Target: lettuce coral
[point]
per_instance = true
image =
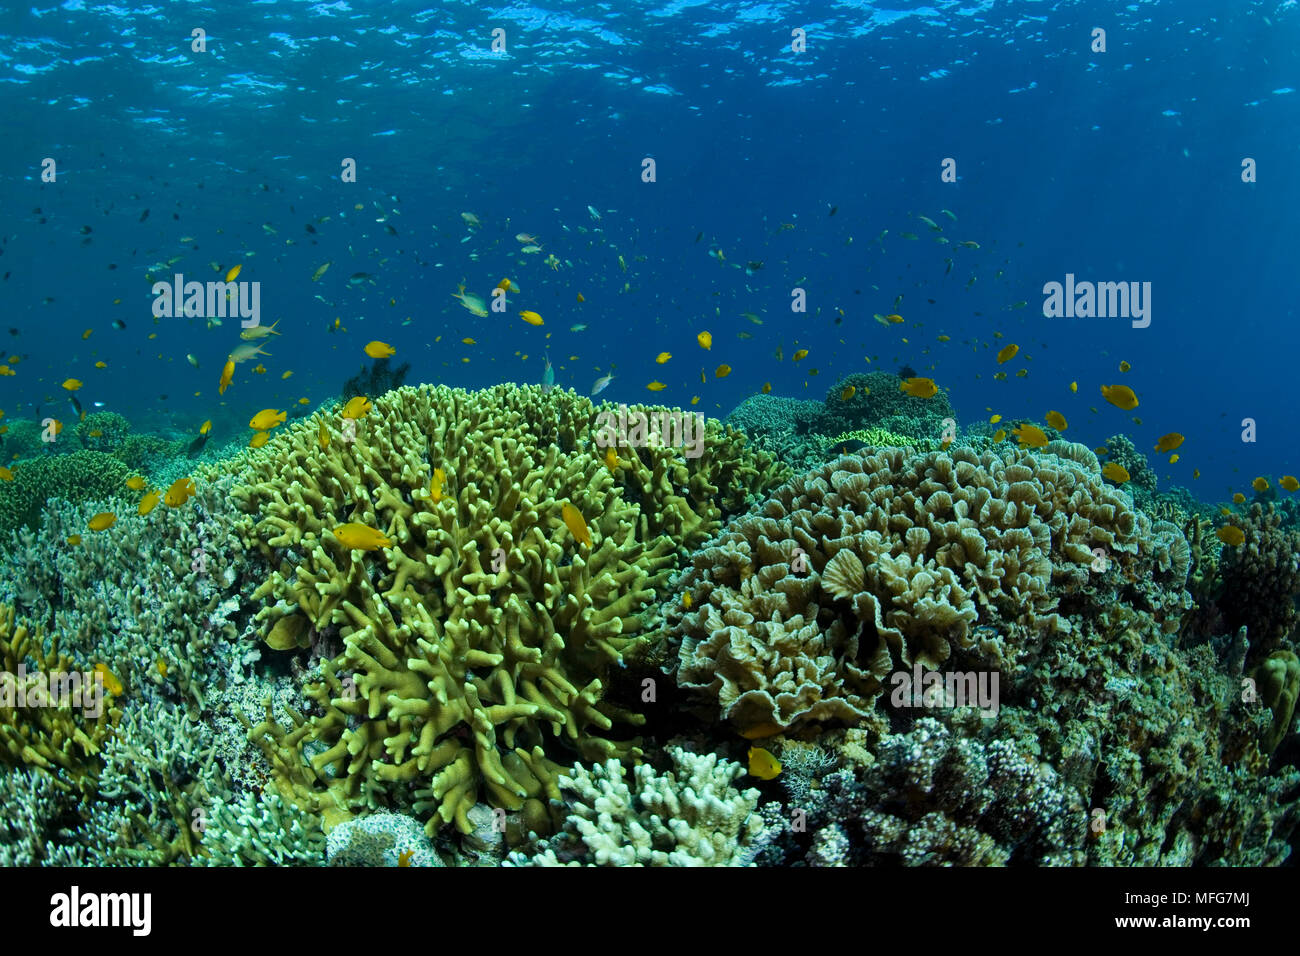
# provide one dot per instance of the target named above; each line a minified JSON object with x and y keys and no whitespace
{"x":482,"y":640}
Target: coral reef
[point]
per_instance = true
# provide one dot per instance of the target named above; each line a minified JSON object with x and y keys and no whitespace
{"x":689,"y":816}
{"x":483,"y":639}
{"x":801,"y":609}
{"x":260,"y":830}
{"x":375,"y":379}
{"x":102,"y":431}
{"x":75,"y":477}
{"x":381,"y":839}
{"x":1260,"y":580}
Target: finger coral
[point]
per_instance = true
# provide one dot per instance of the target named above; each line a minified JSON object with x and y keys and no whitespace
{"x":478,"y":647}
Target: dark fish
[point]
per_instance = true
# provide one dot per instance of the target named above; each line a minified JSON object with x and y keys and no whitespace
{"x":390,"y":230}
{"x":311,"y":228}
{"x":119,"y":324}
{"x":85,"y":230}
{"x":699,"y":236}
{"x":834,"y":210}
{"x":144,"y":215}
{"x":112,"y":265}
{"x":196,"y":446}
{"x":75,"y":404}
{"x":13,"y":332}
{"x":752,"y":266}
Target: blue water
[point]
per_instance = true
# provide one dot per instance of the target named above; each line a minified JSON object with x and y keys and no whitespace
{"x":1115,"y":166}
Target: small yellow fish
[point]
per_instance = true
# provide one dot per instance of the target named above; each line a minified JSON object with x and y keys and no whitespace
{"x":84,"y":335}
{"x":74,"y":539}
{"x":532,"y":318}
{"x":695,"y":400}
{"x":1173,"y":459}
{"x":581,"y":297}
{"x":107,"y":679}
{"x":1196,"y":472}
{"x":1231,"y":534}
{"x":233,"y":272}
{"x":722,"y":371}
{"x":259,"y":369}
{"x":72,"y":384}
{"x":800,"y":355}
{"x":148,"y":503}
{"x":656,"y":386}
{"x":705,"y":339}
{"x":6,"y":474}
{"x":767,"y":387}
{"x":1115,"y":472}
{"x":267,"y":419}
{"x":1124,"y":366}
{"x":1121,"y":396}
{"x":1057,"y":421}
{"x":848,"y":393}
{"x":577,"y":526}
{"x":1260,"y":484}
{"x":894,"y":318}
{"x":1030,"y":436}
{"x":205,"y":427}
{"x":763,"y":765}
{"x":320,"y":271}
{"x":101,"y":364}
{"x":1000,"y":376}
{"x":102,"y":521}
{"x":357,"y":407}
{"x":135,"y":483}
{"x":945,"y":338}
{"x":181,"y":490}
{"x":286,"y":375}
{"x":1021,"y":373}
{"x":1007,"y":354}
{"x":162,"y":667}
{"x":468,"y":341}
{"x":260,"y":439}
{"x":663,"y":357}
{"x":227,"y":374}
{"x":507,"y":285}
{"x":611,"y":459}
{"x":1169,"y":442}
{"x":435,"y":485}
{"x":919,"y":387}
{"x":360,"y":537}
{"x":1074,"y":386}
{"x":378,"y":350}
{"x":686,"y":600}
{"x":1239,"y":499}
{"x":994,"y":419}
{"x":323,"y":437}
{"x":1289,"y":482}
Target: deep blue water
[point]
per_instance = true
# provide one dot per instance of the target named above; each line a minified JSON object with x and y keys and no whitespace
{"x":1115,"y":166}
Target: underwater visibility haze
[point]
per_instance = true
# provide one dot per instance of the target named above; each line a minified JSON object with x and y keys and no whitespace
{"x":649,"y":433}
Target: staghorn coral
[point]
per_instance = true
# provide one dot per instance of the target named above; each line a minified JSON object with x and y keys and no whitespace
{"x":803,"y":607}
{"x":260,"y":830}
{"x":483,"y":639}
{"x":111,"y":427}
{"x":689,"y":816}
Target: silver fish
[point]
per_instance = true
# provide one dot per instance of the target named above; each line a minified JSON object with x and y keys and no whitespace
{"x":600,"y":384}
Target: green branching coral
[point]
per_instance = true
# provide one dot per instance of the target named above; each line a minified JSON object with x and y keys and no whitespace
{"x":480,"y":643}
{"x":879,"y":438}
{"x":102,"y":431}
{"x":74,"y":477}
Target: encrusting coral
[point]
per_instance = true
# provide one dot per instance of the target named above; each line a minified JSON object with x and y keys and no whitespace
{"x":478,"y":644}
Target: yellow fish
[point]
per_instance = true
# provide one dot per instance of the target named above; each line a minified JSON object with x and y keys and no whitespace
{"x":1289,"y":482}
{"x":656,"y":386}
{"x":848,"y":393}
{"x":663,"y":357}
{"x":259,"y":369}
{"x":1074,"y":386}
{"x":1231,"y":534}
{"x":722,"y":371}
{"x":74,"y":539}
{"x":611,"y":459}
{"x":1007,"y":354}
{"x":378,"y":350}
{"x":1057,"y":421}
{"x":101,"y":364}
{"x":227,"y":374}
{"x":109,"y":682}
{"x":1021,"y":373}
{"x":506,"y":285}
{"x":102,"y":521}
{"x":763,"y":765}
{"x":320,"y":271}
{"x":994,"y":419}
{"x":581,"y":297}
{"x":72,"y":384}
{"x":1173,"y":459}
{"x":686,"y":600}
{"x":1196,"y":472}
{"x":1116,"y":472}
{"x":360,"y":537}
{"x":471,"y":302}
{"x":945,"y":338}
{"x":259,"y":332}
{"x":260,"y":439}
{"x":573,"y":520}
{"x":181,"y":490}
{"x":162,"y":667}
{"x":1239,"y":499}
{"x":767,"y":387}
{"x":1124,"y":366}
{"x":205,"y":427}
{"x":324,"y":437}
{"x":6,"y":474}
{"x":135,"y":483}
{"x":435,"y":486}
{"x":147,"y":503}
{"x":468,"y":341}
{"x":1169,"y":442}
{"x":532,"y":318}
{"x":695,"y":399}
{"x":800,"y":355}
{"x":267,"y":419}
{"x":919,"y":387}
{"x":1260,"y":484}
{"x":1030,"y":436}
{"x":304,"y":401}
{"x":86,"y":334}
{"x":1000,"y":376}
{"x":357,"y":407}
{"x":286,"y":374}
{"x":705,"y":340}
{"x":233,"y":272}
{"x":894,"y":318}
{"x":1121,"y":396}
